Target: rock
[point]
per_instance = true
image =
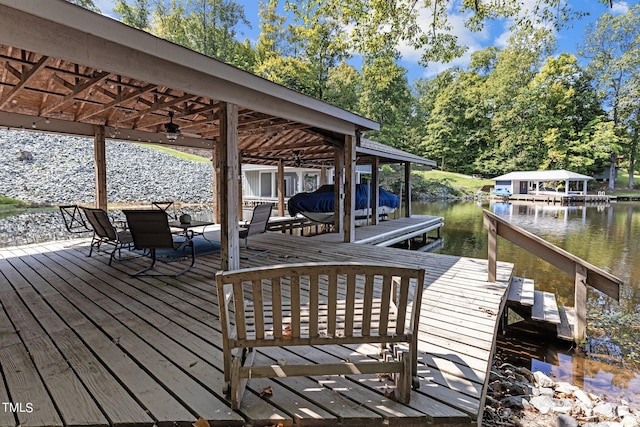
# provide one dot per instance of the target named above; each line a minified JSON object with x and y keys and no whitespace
{"x":607,"y":410}
{"x":629,"y":421}
{"x":622,"y":411}
{"x":543,"y":404}
{"x":543,"y":380}
{"x":565,"y":388}
{"x":546,"y":391}
{"x":512,"y":401}
{"x":566,"y":421}
{"x":582,"y":397}
{"x":527,"y":373}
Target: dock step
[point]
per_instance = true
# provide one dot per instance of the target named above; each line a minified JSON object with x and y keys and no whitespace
{"x":521,"y":291}
{"x":567,"y":322}
{"x":545,"y":308}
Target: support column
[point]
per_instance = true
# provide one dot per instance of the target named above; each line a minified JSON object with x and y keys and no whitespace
{"x":240,"y":199}
{"x":323,"y":175}
{"x":227,"y":160}
{"x":215,"y":183}
{"x":407,"y":189}
{"x":100,"y":167}
{"x":280,"y":187}
{"x":580,"y":304}
{"x":349,"y":188}
{"x":375,"y":189}
{"x":338,"y":190}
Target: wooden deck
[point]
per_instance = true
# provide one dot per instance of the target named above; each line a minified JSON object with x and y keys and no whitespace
{"x":84,"y":344}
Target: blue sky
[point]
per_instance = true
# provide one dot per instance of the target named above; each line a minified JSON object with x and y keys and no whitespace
{"x":494,"y":34}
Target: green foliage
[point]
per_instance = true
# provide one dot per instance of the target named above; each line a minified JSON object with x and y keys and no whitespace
{"x":8,"y":204}
{"x":87,"y":4}
{"x":136,"y":15}
{"x":613,"y":48}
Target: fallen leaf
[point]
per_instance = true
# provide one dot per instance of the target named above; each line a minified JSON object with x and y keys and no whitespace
{"x":201,"y":422}
{"x":391,"y":395}
{"x":266,"y":391}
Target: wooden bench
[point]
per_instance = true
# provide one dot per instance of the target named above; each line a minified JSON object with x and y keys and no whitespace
{"x":333,"y":303}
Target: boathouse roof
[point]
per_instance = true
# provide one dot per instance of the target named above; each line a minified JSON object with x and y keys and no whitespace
{"x":550,"y":175}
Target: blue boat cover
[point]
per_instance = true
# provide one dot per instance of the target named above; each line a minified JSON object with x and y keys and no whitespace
{"x":322,"y":199}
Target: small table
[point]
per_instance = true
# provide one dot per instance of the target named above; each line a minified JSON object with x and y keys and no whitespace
{"x":187,"y":228}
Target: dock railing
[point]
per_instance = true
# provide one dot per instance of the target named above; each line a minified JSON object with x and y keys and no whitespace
{"x":584,"y":273}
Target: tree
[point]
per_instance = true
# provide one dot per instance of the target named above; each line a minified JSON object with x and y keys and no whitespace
{"x":385,"y":97}
{"x":565,"y":103}
{"x":613,"y":48}
{"x":87,"y":4}
{"x":206,"y":26}
{"x":136,"y":15}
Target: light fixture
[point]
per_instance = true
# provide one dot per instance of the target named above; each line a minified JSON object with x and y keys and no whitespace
{"x":171,"y":130}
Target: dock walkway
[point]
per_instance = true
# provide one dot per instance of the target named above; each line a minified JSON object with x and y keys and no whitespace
{"x":387,"y":233}
{"x":82,"y":343}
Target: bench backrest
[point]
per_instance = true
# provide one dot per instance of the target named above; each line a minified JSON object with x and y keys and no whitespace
{"x":306,"y":304}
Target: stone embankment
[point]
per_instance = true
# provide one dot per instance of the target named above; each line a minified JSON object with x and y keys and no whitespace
{"x":50,"y":170}
{"x":519,"y":397}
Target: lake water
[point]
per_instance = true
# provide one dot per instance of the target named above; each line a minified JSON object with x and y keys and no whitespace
{"x":607,"y":237}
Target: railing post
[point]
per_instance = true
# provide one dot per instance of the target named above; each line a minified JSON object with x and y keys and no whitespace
{"x":580,"y":304}
{"x":492,"y":256}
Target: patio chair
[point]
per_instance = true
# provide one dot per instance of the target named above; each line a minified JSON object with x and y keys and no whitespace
{"x":150,"y":231}
{"x":165,"y":206}
{"x":257,"y":225}
{"x":104,"y":232}
{"x":73,"y":220}
{"x":316,"y":304}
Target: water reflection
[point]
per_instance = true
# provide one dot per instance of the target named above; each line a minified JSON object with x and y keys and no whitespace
{"x":605,"y":236}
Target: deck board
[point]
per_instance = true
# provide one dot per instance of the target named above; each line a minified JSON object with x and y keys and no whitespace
{"x":158,"y":339}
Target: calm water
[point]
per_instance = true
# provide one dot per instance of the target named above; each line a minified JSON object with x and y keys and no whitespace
{"x":607,"y":237}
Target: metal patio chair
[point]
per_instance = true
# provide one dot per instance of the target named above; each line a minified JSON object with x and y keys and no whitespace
{"x":104,"y":232}
{"x":150,"y":231}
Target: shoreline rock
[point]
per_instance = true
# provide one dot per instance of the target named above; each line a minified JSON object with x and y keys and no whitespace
{"x":519,"y":397}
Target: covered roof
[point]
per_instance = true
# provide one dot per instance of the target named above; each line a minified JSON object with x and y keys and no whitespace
{"x":550,"y":175}
{"x":389,"y":154}
{"x":65,"y":69}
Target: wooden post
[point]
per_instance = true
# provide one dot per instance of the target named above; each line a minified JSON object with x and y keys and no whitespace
{"x":227,"y":159}
{"x":407,"y":189}
{"x":338,"y":192}
{"x":580,"y":304}
{"x":492,"y":256}
{"x":240,"y":200}
{"x":349,"y":188}
{"x":215,"y":183}
{"x":323,"y":175}
{"x":280,"y":187}
{"x":100,"y":167}
{"x":375,"y":189}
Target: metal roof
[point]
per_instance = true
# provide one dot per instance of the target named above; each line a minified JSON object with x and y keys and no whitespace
{"x":390,"y":154}
{"x":550,"y":175}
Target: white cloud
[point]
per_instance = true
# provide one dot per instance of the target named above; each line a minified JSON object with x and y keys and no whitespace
{"x":620,"y":8}
{"x":474,"y":41}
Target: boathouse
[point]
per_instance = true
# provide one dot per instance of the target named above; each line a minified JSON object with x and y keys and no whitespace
{"x":550,"y":182}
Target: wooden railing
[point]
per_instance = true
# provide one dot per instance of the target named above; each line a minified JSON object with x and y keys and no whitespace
{"x":584,"y":273}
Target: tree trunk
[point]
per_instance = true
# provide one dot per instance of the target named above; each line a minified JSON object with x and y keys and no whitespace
{"x":632,"y":161}
{"x":612,"y":172}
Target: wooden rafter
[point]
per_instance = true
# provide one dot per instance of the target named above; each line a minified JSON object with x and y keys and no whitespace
{"x":25,"y":78}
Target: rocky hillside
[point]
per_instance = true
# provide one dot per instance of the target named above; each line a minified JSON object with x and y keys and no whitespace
{"x":53,"y":169}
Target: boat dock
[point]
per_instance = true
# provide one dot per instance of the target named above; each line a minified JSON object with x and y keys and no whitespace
{"x":387,"y":233}
{"x":82,"y":343}
{"x":561,"y":199}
